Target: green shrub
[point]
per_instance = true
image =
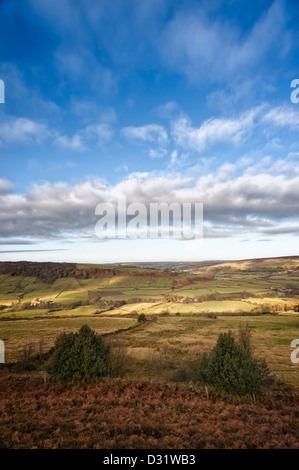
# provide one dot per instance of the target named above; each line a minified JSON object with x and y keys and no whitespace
{"x":79,"y":356}
{"x":141,"y":318}
{"x":229,"y":367}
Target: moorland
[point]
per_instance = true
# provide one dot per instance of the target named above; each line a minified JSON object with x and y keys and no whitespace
{"x":186,"y":306}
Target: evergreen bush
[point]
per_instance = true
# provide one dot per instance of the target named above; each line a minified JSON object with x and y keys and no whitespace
{"x":79,"y":356}
{"x":230,"y":368}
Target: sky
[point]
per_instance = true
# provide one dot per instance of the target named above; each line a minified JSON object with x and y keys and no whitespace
{"x":158,"y":101}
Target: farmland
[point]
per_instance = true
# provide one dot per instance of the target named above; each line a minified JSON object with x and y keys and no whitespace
{"x":191,"y":305}
{"x":186,"y":306}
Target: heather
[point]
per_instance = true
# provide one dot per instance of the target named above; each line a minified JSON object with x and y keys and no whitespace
{"x":115,"y":414}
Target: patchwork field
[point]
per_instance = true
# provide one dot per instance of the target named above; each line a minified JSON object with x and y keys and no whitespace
{"x":191,"y":305}
{"x":186,"y":307}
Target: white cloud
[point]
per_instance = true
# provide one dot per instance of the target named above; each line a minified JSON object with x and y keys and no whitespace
{"x":157,"y":153}
{"x":213,"y":130}
{"x":99,"y":133}
{"x":94,"y":134}
{"x":174,"y":157}
{"x":283,"y":116}
{"x":5,"y":186}
{"x":168,"y":109}
{"x":22,"y":130}
{"x":71,"y":143}
{"x":146,"y":133}
{"x":178,"y":160}
{"x":255,"y":201}
{"x":202,"y":45}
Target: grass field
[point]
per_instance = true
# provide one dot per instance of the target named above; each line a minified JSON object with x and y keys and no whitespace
{"x":189,"y":307}
{"x":22,"y":333}
{"x":203,"y":307}
{"x":179,"y":338}
{"x":181,"y":331}
{"x":173,"y":339}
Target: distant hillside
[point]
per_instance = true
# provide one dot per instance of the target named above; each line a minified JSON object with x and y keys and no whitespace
{"x":175,"y":265}
{"x":49,"y":272}
{"x":279,"y":264}
{"x":258,"y":264}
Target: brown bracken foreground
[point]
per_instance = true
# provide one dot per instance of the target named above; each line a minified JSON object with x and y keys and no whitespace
{"x":133,"y":415}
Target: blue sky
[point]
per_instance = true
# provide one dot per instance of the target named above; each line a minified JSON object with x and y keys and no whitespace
{"x":158,"y":101}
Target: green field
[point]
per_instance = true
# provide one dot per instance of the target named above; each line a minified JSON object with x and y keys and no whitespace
{"x":174,"y":339}
{"x":22,"y":333}
{"x":190,"y":306}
